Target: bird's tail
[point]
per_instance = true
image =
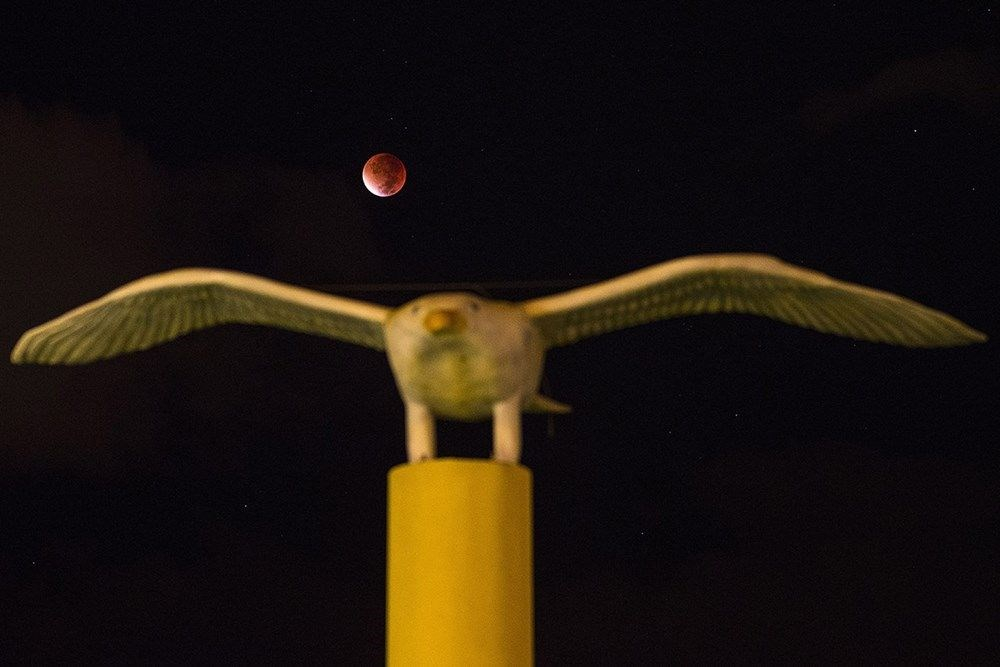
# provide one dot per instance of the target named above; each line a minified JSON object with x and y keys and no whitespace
{"x":543,"y":404}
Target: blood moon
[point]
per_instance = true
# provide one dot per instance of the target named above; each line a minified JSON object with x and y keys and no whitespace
{"x":384,"y":174}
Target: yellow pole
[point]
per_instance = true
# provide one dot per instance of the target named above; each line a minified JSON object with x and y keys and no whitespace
{"x":459,"y":584}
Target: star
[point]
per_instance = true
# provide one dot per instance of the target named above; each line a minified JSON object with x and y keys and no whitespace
{"x":459,"y":356}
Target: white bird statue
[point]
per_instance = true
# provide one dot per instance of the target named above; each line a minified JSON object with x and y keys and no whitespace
{"x":460,"y":356}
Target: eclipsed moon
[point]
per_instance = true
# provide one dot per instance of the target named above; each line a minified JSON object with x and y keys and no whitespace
{"x":384,"y":174}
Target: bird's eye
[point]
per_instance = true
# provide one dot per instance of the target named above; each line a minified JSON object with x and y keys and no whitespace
{"x":473,"y":306}
{"x":415,"y":309}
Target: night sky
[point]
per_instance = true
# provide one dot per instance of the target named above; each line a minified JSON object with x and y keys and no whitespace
{"x":727,"y":487}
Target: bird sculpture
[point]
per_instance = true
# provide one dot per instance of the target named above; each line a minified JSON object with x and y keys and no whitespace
{"x":463,"y":357}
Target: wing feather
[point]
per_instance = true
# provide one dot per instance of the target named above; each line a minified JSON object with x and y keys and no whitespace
{"x":744,"y":283}
{"x":164,"y":306}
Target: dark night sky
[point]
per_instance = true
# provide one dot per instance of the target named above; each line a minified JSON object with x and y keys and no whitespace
{"x":727,"y":487}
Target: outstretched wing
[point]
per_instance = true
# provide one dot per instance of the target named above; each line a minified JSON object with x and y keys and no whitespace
{"x":744,"y":283}
{"x":163,"y":306}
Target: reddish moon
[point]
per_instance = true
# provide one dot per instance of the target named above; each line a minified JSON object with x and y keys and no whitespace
{"x":384,"y":174}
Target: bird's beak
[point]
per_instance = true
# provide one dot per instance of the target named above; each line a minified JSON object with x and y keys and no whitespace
{"x":444,"y":321}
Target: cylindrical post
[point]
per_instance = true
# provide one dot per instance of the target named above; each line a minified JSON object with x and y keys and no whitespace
{"x":459,"y":584}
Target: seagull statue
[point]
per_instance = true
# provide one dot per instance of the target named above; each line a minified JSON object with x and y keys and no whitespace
{"x":460,"y":356}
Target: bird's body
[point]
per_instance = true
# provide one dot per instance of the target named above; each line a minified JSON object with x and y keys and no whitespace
{"x":480,"y":353}
{"x":460,"y":356}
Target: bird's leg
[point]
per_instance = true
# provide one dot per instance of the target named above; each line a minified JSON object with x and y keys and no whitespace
{"x":507,"y":430}
{"x":420,"y":443}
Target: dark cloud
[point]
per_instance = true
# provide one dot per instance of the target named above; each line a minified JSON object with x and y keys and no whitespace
{"x":84,"y":209}
{"x":817,"y":552}
{"x":275,"y":220}
{"x":969,"y":80}
{"x":76,"y":199}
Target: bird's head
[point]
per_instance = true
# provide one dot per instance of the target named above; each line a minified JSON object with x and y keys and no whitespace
{"x":448,"y":317}
{"x":441,"y":316}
